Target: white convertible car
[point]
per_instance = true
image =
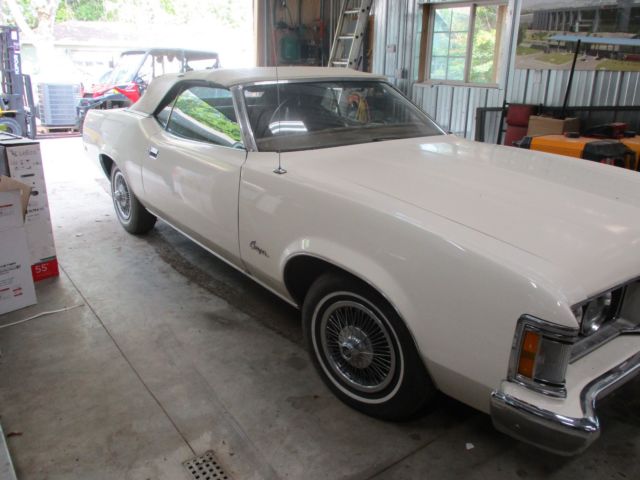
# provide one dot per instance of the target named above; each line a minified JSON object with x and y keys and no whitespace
{"x":505,"y":278}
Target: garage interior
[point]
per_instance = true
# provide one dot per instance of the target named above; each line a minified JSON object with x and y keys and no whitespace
{"x":146,"y":357}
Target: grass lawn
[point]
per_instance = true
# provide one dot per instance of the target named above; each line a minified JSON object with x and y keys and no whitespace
{"x":555,"y":58}
{"x":537,"y":35}
{"x":526,"y":50}
{"x":618,"y":66}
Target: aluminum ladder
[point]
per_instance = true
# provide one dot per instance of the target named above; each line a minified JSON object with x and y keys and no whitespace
{"x":352,"y":24}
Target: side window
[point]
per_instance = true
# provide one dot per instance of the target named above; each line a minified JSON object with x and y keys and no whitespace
{"x":205,"y":114}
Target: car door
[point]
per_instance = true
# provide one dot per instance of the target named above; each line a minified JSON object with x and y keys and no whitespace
{"x":191,"y":174}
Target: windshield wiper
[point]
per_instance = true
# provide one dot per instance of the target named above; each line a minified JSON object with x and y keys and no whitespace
{"x":382,"y":139}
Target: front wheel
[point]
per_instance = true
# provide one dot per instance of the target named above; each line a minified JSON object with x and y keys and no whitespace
{"x":130,"y":212}
{"x":363,"y":350}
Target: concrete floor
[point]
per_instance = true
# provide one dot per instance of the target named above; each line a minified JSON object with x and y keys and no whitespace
{"x":172,"y":353}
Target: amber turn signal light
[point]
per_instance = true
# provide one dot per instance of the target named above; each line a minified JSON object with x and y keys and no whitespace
{"x":528,"y":352}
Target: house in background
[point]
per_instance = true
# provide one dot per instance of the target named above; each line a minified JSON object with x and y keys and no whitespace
{"x":84,"y":51}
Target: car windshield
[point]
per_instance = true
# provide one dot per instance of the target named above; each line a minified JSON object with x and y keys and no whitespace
{"x":126,"y":68}
{"x":309,"y":115}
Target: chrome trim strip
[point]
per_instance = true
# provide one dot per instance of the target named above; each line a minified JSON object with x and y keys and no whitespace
{"x":547,"y":390}
{"x":607,"y":383}
{"x":231,"y":264}
{"x":416,"y":108}
{"x":240,"y":105}
{"x":611,"y":329}
{"x":550,"y":330}
{"x":542,"y":428}
{"x":381,"y":79}
{"x":615,"y":287}
{"x":585,"y":424}
{"x":345,"y":78}
{"x":620,"y":326}
{"x":558,"y":433}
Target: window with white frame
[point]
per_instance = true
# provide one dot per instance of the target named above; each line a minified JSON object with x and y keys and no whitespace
{"x":463,"y":42}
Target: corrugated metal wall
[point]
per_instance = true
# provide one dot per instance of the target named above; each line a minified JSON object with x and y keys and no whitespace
{"x":395,"y":54}
{"x":454,"y":107}
{"x":589,"y":88}
{"x":394,"y":44}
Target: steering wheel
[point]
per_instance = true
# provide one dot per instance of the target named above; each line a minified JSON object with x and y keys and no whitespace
{"x":277,"y":110}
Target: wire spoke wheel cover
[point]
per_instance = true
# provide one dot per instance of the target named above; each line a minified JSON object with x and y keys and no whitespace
{"x":363,"y":349}
{"x":357,"y":347}
{"x":121,"y":196}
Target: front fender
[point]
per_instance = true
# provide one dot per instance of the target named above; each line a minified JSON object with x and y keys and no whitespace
{"x":350,"y":260}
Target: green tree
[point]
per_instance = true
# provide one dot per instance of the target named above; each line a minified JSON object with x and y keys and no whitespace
{"x":484,"y":45}
{"x":39,"y":16}
{"x":87,"y":10}
{"x":35,"y":18}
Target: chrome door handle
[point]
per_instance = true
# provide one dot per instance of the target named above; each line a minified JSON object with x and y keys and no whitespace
{"x":153,"y":152}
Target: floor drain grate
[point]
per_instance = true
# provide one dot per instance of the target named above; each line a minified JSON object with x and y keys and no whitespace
{"x":205,"y":467}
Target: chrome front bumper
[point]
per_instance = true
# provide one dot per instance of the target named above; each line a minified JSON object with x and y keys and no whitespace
{"x":556,"y":433}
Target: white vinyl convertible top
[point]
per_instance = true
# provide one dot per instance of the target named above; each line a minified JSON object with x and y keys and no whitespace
{"x":230,"y":77}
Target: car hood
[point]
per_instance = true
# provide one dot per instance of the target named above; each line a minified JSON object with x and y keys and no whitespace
{"x":581,"y":216}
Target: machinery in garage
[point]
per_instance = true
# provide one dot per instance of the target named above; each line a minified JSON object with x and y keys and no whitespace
{"x":135,"y":69}
{"x":609,"y":151}
{"x":16,"y":101}
{"x":611,"y":143}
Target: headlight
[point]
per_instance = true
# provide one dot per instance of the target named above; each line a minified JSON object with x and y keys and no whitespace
{"x":596,"y":312}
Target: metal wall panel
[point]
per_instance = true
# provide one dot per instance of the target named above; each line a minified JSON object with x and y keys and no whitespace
{"x":590,"y":88}
{"x":393,"y":50}
{"x":394,"y":55}
{"x":453,"y":107}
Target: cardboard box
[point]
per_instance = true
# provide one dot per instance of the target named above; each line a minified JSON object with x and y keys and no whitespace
{"x":16,"y":282}
{"x":539,"y":125}
{"x":20,"y":159}
{"x":8,"y":184}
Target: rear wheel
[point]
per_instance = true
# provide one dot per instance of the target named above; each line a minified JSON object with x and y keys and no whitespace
{"x":130,"y":212}
{"x":363,"y":350}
